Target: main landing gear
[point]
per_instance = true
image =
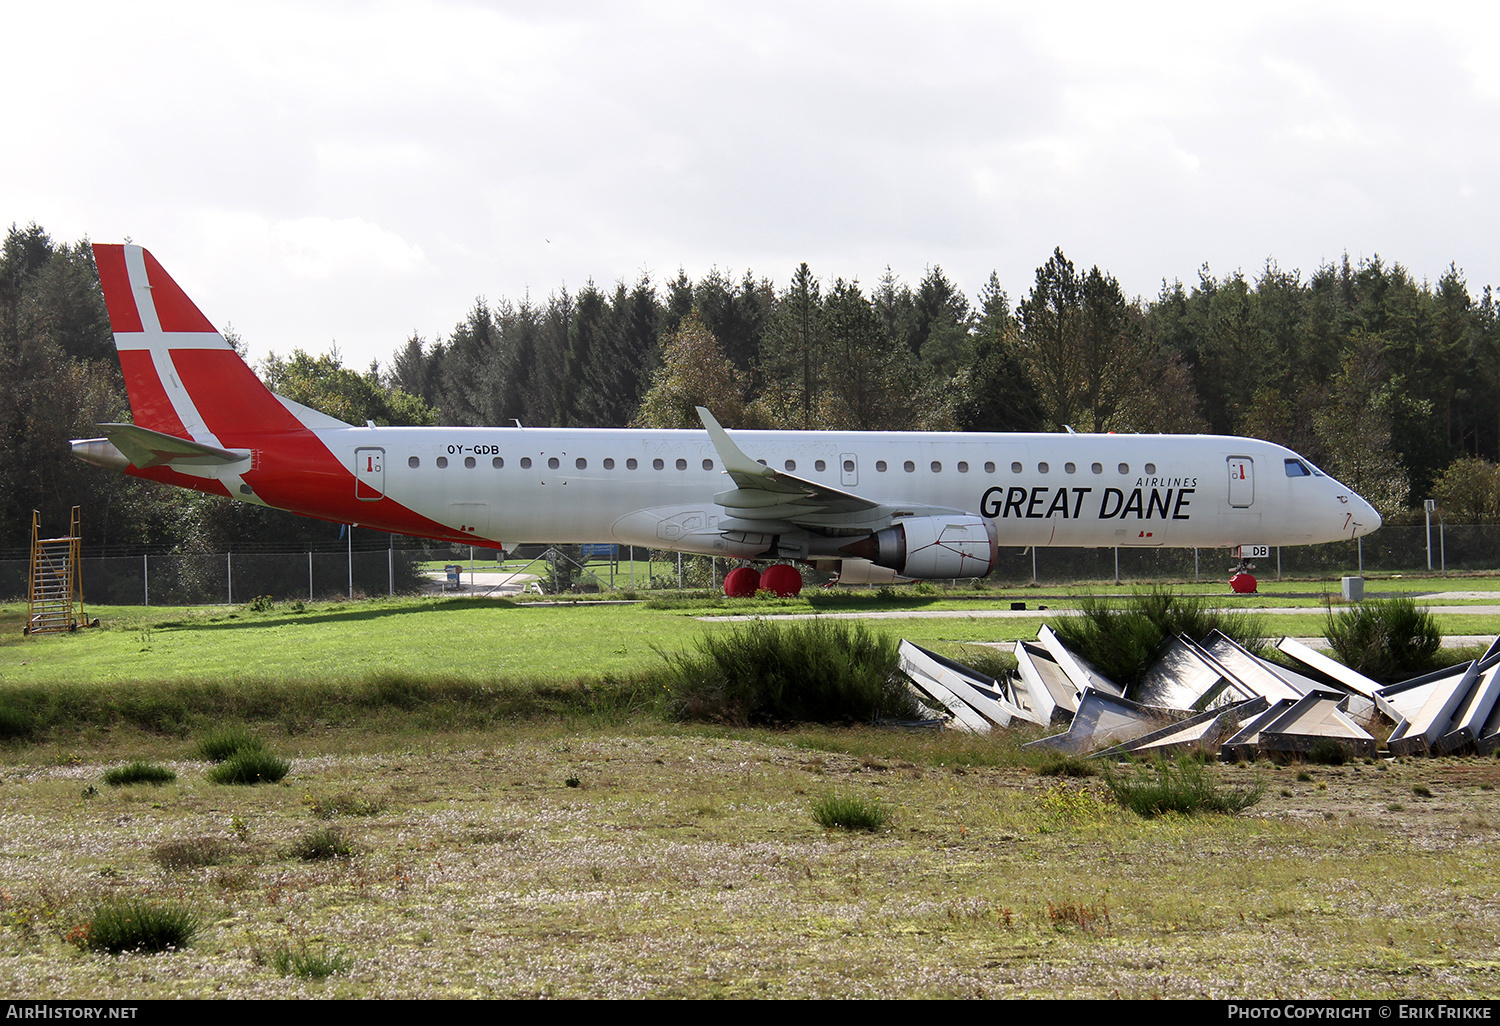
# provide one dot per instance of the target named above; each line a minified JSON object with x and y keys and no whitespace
{"x":745,"y":581}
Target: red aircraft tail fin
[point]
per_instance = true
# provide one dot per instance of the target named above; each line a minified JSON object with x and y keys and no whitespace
{"x":183,"y":377}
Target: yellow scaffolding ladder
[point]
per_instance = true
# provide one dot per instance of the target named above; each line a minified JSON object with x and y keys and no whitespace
{"x":56,"y":592}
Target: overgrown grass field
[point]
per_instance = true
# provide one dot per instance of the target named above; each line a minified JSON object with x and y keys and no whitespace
{"x":508,"y":811}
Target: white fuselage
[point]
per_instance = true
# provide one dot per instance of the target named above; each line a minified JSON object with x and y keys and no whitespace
{"x":657,"y":488}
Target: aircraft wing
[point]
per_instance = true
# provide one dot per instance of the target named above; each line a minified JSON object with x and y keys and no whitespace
{"x":146,"y":448}
{"x":771,"y":497}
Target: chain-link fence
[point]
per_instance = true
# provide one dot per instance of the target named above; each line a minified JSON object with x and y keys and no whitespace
{"x":241,"y":577}
{"x":202,"y":579}
{"x":1390,"y":550}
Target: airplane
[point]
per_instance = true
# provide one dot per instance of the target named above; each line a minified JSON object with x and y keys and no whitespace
{"x":875,"y":506}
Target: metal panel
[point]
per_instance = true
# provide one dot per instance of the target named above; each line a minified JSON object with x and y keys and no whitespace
{"x":1104,"y":720}
{"x":1334,"y":670}
{"x":983,"y":693}
{"x":1473,"y":714}
{"x":1418,"y":732}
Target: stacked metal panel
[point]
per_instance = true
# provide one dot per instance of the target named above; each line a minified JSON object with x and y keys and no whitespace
{"x":1217,"y":696}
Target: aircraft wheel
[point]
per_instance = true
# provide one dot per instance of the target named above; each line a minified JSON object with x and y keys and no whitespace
{"x":741,"y":582}
{"x":783,"y":579}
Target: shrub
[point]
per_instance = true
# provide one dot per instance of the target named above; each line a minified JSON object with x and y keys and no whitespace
{"x":252,"y":766}
{"x":1121,"y":640}
{"x":1062,"y":802}
{"x":322,"y":844}
{"x":1387,"y":639}
{"x":222,"y":742}
{"x":1183,"y":787}
{"x":1056,"y":764}
{"x":139,"y":772}
{"x":346,"y":803}
{"x":16,"y":722}
{"x":825,"y":671}
{"x":309,"y":964}
{"x":850,"y":812}
{"x":1327,"y":751}
{"x":137,"y":926}
{"x":190,"y":853}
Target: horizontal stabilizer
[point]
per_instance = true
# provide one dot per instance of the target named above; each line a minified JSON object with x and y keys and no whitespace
{"x":145,"y":448}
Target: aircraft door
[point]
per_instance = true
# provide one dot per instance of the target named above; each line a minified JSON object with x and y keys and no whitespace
{"x":848,"y":469}
{"x":369,"y":473}
{"x":1241,"y":482}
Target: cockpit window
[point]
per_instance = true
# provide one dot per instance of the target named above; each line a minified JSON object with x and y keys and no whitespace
{"x":1296,"y":468}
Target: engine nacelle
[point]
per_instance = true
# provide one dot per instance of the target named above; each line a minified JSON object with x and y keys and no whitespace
{"x":932,"y":548}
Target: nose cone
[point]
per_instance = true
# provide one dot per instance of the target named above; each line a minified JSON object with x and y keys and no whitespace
{"x":1366,"y":519}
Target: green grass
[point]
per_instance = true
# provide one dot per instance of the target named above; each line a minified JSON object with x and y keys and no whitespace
{"x":310,"y":963}
{"x":139,"y":772}
{"x":822,"y":671}
{"x":850,"y":812}
{"x":1121,"y":637}
{"x":134,"y":925}
{"x":1183,"y":787}
{"x":255,"y":766}
{"x":190,"y":853}
{"x":1390,"y":640}
{"x":322,"y":844}
{"x":220,"y":743}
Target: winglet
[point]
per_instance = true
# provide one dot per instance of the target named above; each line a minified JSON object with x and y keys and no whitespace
{"x":735,"y":461}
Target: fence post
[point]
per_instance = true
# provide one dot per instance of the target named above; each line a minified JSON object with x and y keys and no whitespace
{"x":390,"y":568}
{"x":350,"y":549}
{"x":145,"y":580}
{"x":1117,"y":564}
{"x":309,"y":576}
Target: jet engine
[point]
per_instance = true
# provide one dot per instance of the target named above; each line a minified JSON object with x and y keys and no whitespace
{"x":933,"y":548}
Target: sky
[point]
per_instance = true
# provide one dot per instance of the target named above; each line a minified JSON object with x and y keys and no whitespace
{"x":319,"y":174}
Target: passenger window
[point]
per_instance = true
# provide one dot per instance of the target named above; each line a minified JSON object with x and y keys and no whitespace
{"x":498,"y":462}
{"x":937,"y":468}
{"x":1070,"y":468}
{"x":1151,"y":468}
{"x":581,"y":463}
{"x":631,"y":464}
{"x":468,"y":463}
{"x":1015,"y":468}
{"x":657,"y":465}
{"x":609,"y":463}
{"x":682,"y":464}
{"x":708,"y":464}
{"x":1042,"y":468}
{"x":413,"y":462}
{"x":963,"y":468}
{"x":909,"y":467}
{"x":442,"y":462}
{"x":989,"y":468}
{"x":1097,"y":468}
{"x":1124,"y":468}
{"x":820,"y":466}
{"x":880,"y":466}
{"x":525,"y":462}
{"x":790,"y":464}
{"x":848,"y":466}
{"x":552,"y":463}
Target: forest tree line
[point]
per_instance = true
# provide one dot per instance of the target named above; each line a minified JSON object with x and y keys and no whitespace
{"x":1389,"y":383}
